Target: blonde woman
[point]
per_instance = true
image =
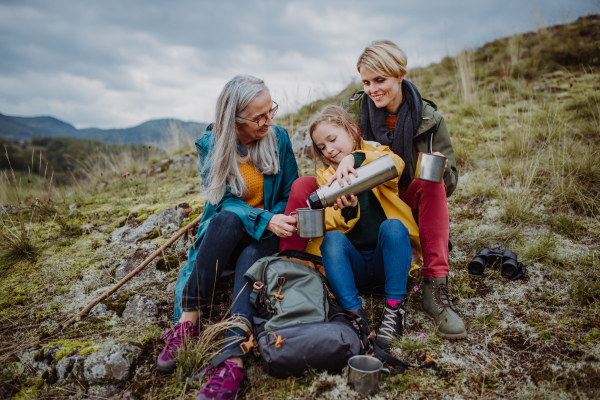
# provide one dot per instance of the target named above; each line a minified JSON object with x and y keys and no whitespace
{"x":390,"y":111}
{"x":247,"y":167}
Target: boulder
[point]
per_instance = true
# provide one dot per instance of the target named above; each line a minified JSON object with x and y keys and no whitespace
{"x":100,"y":310}
{"x":130,"y":264}
{"x":108,"y":369}
{"x":167,"y":221}
{"x":141,"y":310}
{"x":69,"y":371}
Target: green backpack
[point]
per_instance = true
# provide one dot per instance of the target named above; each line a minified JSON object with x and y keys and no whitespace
{"x":289,"y":291}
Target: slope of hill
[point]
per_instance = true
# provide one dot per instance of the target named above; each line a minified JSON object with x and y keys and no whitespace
{"x":150,"y":132}
{"x":528,"y":148}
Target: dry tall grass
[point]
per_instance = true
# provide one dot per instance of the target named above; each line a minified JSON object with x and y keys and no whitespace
{"x":466,"y":72}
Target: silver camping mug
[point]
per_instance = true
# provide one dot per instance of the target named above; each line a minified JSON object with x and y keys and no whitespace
{"x":430,"y":167}
{"x":364,"y":373}
{"x":311,"y":223}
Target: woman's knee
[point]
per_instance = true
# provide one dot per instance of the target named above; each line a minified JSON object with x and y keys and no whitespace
{"x":227,"y":220}
{"x":303,"y":186}
{"x":431,"y":188}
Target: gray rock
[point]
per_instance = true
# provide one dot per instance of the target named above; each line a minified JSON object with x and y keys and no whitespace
{"x":72,"y":207}
{"x":103,"y":392}
{"x":171,"y":286}
{"x":101,"y":310}
{"x":101,"y":186}
{"x":69,"y":370}
{"x":141,"y":310}
{"x":130,"y":264}
{"x":167,"y":221}
{"x":302,"y":144}
{"x":110,"y":367}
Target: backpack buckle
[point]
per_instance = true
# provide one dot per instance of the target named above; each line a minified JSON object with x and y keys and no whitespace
{"x":247,"y":346}
{"x":258,"y":285}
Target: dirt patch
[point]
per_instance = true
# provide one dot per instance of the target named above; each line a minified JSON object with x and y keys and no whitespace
{"x":477,"y":287}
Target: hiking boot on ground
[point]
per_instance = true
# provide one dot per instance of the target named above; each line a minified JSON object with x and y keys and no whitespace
{"x":436,"y":305}
{"x":177,"y":337}
{"x":362,"y":321}
{"x":223,"y":383}
{"x":392,"y":324}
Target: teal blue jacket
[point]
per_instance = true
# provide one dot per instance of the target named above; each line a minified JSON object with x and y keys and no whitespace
{"x":276,"y":192}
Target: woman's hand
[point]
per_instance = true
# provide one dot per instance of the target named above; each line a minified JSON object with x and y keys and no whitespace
{"x":344,"y":169}
{"x":281,"y":225}
{"x":343,"y":202}
{"x":437,"y":153}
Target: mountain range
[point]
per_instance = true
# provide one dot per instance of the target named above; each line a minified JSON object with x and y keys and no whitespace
{"x":150,"y":132}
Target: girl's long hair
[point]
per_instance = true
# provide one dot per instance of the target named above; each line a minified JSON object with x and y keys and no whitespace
{"x":223,"y":162}
{"x":337,"y":116}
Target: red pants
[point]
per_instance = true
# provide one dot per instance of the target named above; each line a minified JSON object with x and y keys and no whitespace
{"x":430,"y":208}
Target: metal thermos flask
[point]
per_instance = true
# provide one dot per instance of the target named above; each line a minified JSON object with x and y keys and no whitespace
{"x":369,"y":176}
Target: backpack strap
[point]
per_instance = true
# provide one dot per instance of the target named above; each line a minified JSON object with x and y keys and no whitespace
{"x":301,"y":256}
{"x":380,"y":353}
{"x":243,"y":348}
{"x":371,"y":346}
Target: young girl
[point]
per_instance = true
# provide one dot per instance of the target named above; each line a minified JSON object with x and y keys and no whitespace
{"x":369,"y":236}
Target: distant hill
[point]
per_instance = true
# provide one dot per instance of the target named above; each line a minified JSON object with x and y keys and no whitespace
{"x":150,"y":132}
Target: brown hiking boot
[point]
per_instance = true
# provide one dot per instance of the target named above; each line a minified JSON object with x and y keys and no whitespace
{"x":436,"y":305}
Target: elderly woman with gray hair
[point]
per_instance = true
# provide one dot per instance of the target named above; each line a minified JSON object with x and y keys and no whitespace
{"x":247,"y":167}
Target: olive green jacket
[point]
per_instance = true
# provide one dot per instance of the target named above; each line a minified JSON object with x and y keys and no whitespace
{"x":433,"y":127}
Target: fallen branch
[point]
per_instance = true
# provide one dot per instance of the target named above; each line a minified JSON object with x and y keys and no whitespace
{"x":134,"y":272}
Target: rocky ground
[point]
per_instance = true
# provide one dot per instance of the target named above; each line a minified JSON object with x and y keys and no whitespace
{"x":528,"y":153}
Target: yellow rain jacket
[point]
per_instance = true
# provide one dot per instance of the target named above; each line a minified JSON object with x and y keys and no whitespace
{"x":386,"y":193}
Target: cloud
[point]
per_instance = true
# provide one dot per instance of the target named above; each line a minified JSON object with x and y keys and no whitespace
{"x":115,"y":63}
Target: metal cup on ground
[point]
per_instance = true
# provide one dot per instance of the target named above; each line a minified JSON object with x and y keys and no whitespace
{"x":364,"y":373}
{"x":311,"y":223}
{"x":430,"y":167}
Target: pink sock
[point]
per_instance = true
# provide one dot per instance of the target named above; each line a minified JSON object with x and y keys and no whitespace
{"x":353,"y":312}
{"x":393,"y":303}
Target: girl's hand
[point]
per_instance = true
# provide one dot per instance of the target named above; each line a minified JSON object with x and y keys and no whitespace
{"x":344,"y":169}
{"x":343,"y":202}
{"x":437,"y":153}
{"x":281,"y":225}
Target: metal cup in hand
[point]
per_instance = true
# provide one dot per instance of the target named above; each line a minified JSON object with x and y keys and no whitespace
{"x":430,"y":167}
{"x":311,"y":223}
{"x":364,"y":373}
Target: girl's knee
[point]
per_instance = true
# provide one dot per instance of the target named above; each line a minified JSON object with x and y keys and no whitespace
{"x":393,"y":227}
{"x":332,"y":239}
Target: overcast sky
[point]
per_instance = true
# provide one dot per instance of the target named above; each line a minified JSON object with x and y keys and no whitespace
{"x":118,"y":63}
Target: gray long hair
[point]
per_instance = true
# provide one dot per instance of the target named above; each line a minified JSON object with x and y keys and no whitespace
{"x":262,"y":155}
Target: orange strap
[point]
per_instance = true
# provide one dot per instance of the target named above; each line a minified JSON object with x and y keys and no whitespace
{"x":428,"y":359}
{"x":277,"y":339}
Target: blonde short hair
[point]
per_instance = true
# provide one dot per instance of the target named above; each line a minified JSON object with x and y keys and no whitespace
{"x":385,"y":57}
{"x":337,"y":116}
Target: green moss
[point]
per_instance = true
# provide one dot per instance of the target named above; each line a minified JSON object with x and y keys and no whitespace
{"x":152,"y":235}
{"x":170,"y":263}
{"x":90,"y":349}
{"x":142,"y":217}
{"x":119,"y":305}
{"x":69,"y":347}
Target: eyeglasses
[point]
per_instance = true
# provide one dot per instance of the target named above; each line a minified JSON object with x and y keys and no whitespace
{"x":263,"y":120}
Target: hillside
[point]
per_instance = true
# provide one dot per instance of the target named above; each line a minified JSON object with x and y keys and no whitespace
{"x":150,"y":132}
{"x":525,"y":125}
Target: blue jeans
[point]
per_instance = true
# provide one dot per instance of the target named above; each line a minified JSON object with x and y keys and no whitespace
{"x":348,"y":269}
{"x":225,"y":242}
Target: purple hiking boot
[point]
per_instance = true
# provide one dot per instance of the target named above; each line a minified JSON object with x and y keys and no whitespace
{"x":223,"y":382}
{"x":177,"y":337}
